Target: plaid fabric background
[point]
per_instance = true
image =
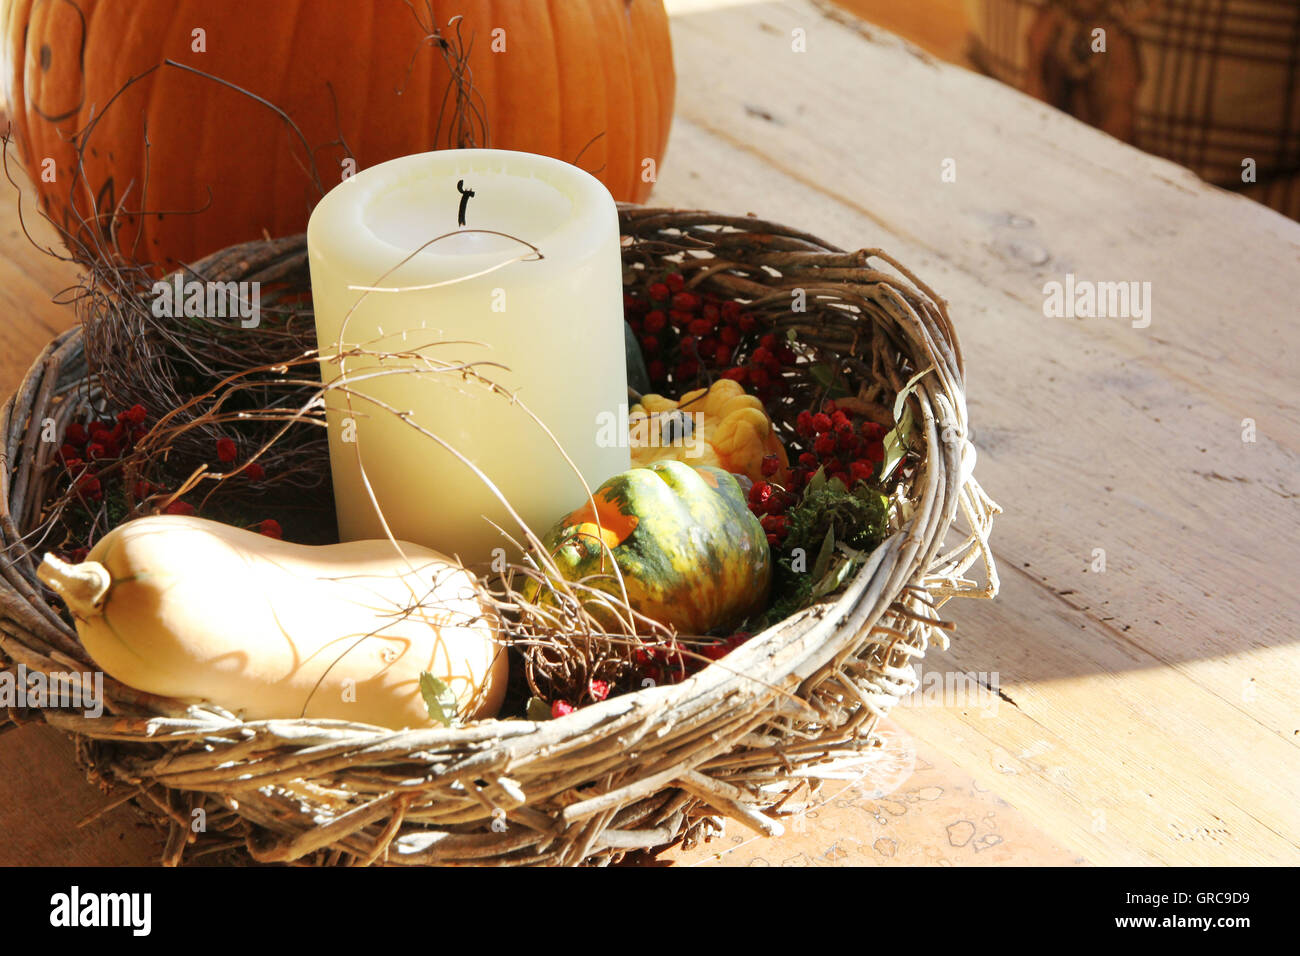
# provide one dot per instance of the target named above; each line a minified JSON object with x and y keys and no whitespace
{"x":1217,"y":81}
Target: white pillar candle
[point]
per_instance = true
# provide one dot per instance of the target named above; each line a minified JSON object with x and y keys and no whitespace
{"x":554,"y":321}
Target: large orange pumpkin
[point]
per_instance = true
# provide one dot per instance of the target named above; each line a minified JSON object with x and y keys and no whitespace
{"x":587,"y":81}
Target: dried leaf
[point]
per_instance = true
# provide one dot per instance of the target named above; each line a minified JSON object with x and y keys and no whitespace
{"x":438,"y":697}
{"x":897,"y":442}
{"x":838,"y":573}
{"x":901,"y":398}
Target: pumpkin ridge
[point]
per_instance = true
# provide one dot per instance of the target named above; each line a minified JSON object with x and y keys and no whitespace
{"x":532,"y":99}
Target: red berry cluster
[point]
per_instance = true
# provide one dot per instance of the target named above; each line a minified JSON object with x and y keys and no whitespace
{"x":716,"y":652}
{"x":597,"y":689}
{"x":663,"y":665}
{"x":685,"y":334}
{"x":847,"y":449}
{"x":227,"y":453}
{"x":87,"y":449}
{"x":669,"y":665}
{"x":770,"y":503}
{"x":267,"y":526}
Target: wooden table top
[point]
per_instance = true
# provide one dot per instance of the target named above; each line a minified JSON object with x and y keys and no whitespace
{"x":1147,"y":711}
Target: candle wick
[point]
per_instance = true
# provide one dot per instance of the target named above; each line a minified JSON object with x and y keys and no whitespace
{"x":465,"y":195}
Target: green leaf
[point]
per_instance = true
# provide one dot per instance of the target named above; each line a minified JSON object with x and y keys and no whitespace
{"x":868,"y":495}
{"x":899,"y":438}
{"x":840,"y":527}
{"x":637,"y":376}
{"x":438,"y":698}
{"x":823,"y":562}
{"x":834,"y":577}
{"x":538,"y":709}
{"x":897,"y":442}
{"x":824,"y":376}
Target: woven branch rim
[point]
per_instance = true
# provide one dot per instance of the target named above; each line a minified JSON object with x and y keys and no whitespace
{"x":665,"y":761}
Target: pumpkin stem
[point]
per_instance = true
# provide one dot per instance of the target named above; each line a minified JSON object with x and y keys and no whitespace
{"x":83,"y":587}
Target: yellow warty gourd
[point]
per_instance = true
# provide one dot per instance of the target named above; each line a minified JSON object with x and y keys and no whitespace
{"x":193,"y":609}
{"x":734,"y":432}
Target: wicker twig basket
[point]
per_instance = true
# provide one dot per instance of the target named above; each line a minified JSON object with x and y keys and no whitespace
{"x":794,"y":705}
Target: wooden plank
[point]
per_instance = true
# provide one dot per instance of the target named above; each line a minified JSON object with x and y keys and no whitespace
{"x":1093,"y":433}
{"x":941,"y":27}
{"x":1037,"y":193}
{"x":1118,"y":757}
{"x":938,"y":816}
{"x":29,"y":280}
{"x":43,"y":796}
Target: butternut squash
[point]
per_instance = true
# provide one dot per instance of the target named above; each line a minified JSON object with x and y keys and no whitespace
{"x":189,"y":608}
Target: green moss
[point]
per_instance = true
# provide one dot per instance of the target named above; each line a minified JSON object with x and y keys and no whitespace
{"x":831,"y":532}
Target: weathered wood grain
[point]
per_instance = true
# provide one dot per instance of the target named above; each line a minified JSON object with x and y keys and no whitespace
{"x":1093,"y":433}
